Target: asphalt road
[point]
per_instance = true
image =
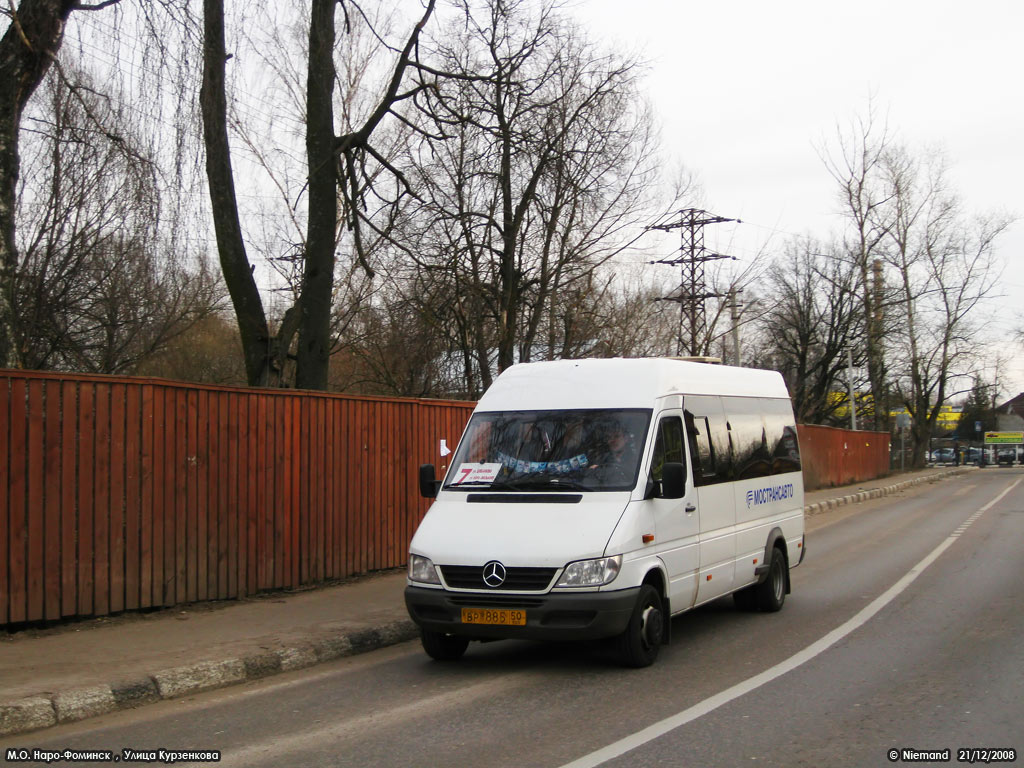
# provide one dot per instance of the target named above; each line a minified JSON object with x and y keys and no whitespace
{"x":902,"y":632}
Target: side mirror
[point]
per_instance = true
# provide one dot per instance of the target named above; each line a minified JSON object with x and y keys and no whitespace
{"x":428,"y":481}
{"x":673,"y":480}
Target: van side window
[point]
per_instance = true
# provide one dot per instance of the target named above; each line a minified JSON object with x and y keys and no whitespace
{"x":750,"y":441}
{"x":702,"y":454}
{"x":764,"y":436}
{"x":668,"y":446}
{"x":782,"y":437}
{"x":711,"y":436}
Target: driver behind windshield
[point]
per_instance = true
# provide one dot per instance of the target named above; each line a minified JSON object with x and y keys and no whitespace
{"x":585,"y":450}
{"x":616,"y":463}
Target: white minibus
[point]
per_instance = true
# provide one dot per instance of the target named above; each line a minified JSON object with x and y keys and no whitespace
{"x":596,"y":499}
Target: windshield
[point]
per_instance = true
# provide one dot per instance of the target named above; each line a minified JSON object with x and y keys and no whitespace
{"x":582,"y":450}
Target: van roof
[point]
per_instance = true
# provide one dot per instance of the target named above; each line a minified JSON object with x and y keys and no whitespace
{"x":621,"y":383}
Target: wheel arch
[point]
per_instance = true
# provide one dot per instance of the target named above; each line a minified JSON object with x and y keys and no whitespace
{"x":657,"y":579}
{"x":776,"y":540}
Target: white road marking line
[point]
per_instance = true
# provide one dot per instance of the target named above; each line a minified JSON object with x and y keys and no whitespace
{"x":712,"y":703}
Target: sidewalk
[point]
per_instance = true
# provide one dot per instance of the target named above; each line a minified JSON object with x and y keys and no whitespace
{"x":85,"y":669}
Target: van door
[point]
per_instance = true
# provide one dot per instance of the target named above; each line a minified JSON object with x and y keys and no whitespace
{"x":676,"y":520}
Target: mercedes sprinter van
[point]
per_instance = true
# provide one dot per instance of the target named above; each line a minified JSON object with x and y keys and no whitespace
{"x":596,"y":499}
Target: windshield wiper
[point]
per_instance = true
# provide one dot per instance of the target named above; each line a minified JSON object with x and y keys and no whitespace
{"x":493,"y":486}
{"x":549,"y":483}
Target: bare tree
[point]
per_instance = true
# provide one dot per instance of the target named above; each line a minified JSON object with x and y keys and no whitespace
{"x":866,"y":201}
{"x":535,"y":169}
{"x":924,"y":266}
{"x":335,"y":173}
{"x":944,"y":266}
{"x":99,"y":286}
{"x":28,"y":48}
{"x":810,"y":324}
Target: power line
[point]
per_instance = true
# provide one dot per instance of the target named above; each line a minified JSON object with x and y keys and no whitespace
{"x":693,"y":292}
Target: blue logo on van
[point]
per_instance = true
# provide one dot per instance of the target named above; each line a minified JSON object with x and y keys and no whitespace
{"x":769,"y":494}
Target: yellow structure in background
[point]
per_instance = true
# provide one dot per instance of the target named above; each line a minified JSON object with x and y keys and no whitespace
{"x":948,"y":418}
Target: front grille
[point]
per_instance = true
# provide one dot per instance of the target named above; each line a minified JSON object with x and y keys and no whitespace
{"x":497,"y":601}
{"x":516,"y":579}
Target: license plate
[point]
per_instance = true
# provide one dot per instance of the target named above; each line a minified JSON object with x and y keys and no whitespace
{"x":494,"y":616}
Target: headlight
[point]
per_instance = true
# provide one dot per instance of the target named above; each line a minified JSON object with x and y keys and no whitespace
{"x":590,"y":573}
{"x":421,"y":569}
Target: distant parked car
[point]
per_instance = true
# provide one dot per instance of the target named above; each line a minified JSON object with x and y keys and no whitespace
{"x":1006,"y":456}
{"x":943,"y":456}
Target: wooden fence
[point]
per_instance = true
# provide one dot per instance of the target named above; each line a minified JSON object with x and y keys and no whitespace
{"x":834,"y":457}
{"x":122,"y":494}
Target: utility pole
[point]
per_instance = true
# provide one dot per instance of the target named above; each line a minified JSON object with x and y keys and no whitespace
{"x":734,"y":317}
{"x":877,"y":373}
{"x":692,"y":290}
{"x":849,"y":380}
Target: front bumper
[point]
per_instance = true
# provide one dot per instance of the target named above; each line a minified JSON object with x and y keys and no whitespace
{"x":553,"y":616}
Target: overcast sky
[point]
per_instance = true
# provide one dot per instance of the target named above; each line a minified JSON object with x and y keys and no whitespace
{"x":748,"y":93}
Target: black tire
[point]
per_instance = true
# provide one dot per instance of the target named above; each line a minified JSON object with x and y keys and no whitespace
{"x":442,"y":647}
{"x":771,"y":593}
{"x":638,"y":646}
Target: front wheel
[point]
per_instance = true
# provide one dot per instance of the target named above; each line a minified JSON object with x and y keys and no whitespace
{"x":442,"y":647}
{"x":640,"y":643}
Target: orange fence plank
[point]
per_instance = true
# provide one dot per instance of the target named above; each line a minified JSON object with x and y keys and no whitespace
{"x":181,"y":508}
{"x":192,"y":498}
{"x":330,"y":485}
{"x":52,"y":538}
{"x":147,"y":503}
{"x":318,"y":455}
{"x":68,"y":499}
{"x":304,"y":505}
{"x":132,"y":489}
{"x":159,"y":495}
{"x":116,"y":529}
{"x":86,"y":495}
{"x":289,"y":493}
{"x":280,"y":497}
{"x":251,"y":452}
{"x":17,"y":520}
{"x":199,"y":456}
{"x":35,"y":564}
{"x":236,"y":535}
{"x":221,"y":496}
{"x":101,"y":509}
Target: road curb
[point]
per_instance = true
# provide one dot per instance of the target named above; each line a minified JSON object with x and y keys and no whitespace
{"x":45,"y":710}
{"x":876,"y":493}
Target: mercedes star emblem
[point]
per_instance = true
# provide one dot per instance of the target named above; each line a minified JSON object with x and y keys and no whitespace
{"x":494,"y":574}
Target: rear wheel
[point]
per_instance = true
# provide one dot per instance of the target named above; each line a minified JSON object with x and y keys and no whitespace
{"x":771,"y":593}
{"x":443,"y":647}
{"x":638,"y":646}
